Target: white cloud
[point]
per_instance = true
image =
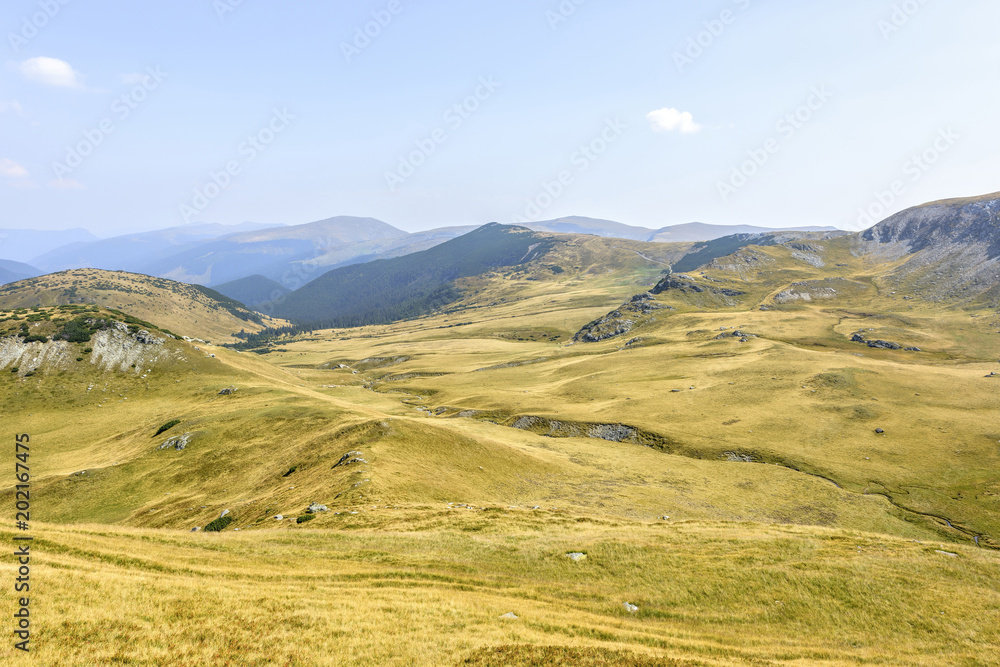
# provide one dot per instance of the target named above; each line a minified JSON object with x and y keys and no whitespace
{"x":14,"y":106}
{"x":133,"y":79}
{"x":669,"y":120}
{"x":51,"y":71}
{"x":11,"y":169}
{"x":66,"y":184}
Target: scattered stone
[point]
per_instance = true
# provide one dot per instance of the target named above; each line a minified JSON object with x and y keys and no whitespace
{"x":946,"y":553}
{"x":316,"y":507}
{"x":228,"y":391}
{"x":196,"y":529}
{"x":630,"y":608}
{"x":224,"y":513}
{"x":675,"y":391}
{"x":510,"y":615}
{"x":880,"y":431}
{"x":349,"y":458}
{"x":576,"y":556}
{"x":913,"y":349}
{"x":883,"y":345}
{"x":992,"y":375}
{"x":178,"y":442}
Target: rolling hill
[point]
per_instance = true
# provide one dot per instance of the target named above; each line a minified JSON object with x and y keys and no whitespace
{"x":270,"y":252}
{"x":133,"y":252}
{"x":408,"y":286}
{"x":951,"y":249}
{"x":24,"y":245}
{"x":683,"y":233}
{"x":253,"y":290}
{"x":13,"y":271}
{"x":187,"y":310}
{"x":735,"y":477}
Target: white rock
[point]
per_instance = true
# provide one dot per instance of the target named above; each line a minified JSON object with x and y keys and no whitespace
{"x":630,"y":608}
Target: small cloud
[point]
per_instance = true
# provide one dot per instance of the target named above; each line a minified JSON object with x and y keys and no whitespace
{"x":51,"y":71}
{"x":14,"y":106}
{"x":66,"y":184}
{"x":11,"y":169}
{"x":669,"y":120}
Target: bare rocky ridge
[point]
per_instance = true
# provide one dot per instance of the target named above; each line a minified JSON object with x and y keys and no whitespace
{"x":956,"y":247}
{"x":621,"y":320}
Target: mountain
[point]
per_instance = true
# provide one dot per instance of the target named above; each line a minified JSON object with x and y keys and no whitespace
{"x":13,"y":271}
{"x":580,"y":225}
{"x":366,"y":251}
{"x":190,"y":310}
{"x":23,"y":245}
{"x":271,"y":252}
{"x":253,"y":290}
{"x":133,"y":252}
{"x":684,"y":233}
{"x":697,"y":231}
{"x":408,"y":286}
{"x":955,"y":248}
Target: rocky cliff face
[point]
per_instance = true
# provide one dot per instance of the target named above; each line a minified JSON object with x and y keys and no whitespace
{"x":620,"y":321}
{"x":113,"y":349}
{"x":953,"y":222}
{"x":956,"y":247}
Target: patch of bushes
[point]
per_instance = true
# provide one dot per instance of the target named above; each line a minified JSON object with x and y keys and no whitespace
{"x":305,"y":517}
{"x":166,"y":427}
{"x":290,"y":471}
{"x":219,"y":524}
{"x":36,"y":339}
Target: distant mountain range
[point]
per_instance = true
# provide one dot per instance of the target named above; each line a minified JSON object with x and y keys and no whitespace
{"x":686,"y":233}
{"x":24,"y":245}
{"x":13,"y":271}
{"x":292,"y":255}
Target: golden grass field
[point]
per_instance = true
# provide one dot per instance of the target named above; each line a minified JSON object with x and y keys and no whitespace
{"x":768,"y":525}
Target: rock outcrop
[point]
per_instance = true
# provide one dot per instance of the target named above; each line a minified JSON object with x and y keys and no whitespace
{"x":620,"y":321}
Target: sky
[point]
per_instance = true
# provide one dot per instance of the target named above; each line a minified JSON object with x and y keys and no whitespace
{"x":130,"y":116}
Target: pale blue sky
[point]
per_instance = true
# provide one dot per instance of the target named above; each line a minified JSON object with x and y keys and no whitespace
{"x":554,"y":86}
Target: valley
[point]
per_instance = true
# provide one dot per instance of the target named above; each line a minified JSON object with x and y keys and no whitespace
{"x":785,"y":454}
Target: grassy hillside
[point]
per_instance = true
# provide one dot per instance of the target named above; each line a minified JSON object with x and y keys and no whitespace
{"x":760,"y":486}
{"x":188,"y":310}
{"x":408,"y":286}
{"x":253,"y":290}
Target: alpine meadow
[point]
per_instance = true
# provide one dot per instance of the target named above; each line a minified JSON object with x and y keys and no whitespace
{"x":498,"y":433}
